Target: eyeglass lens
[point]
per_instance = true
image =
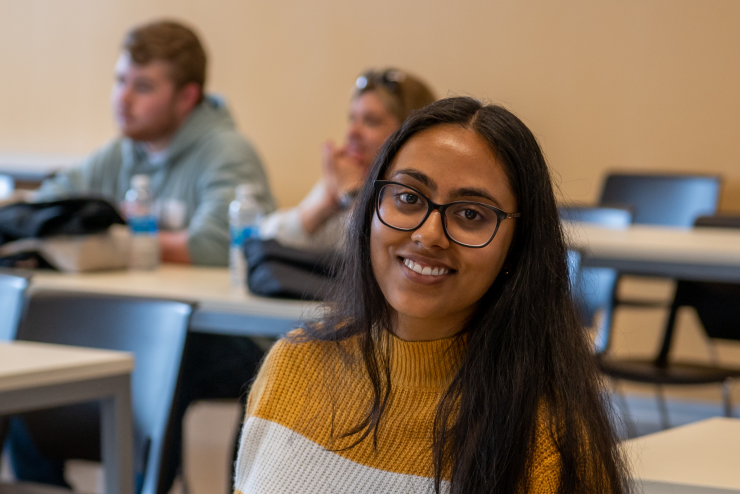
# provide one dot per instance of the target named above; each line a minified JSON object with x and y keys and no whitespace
{"x":468,"y":223}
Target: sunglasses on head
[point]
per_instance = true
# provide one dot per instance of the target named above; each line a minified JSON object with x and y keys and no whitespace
{"x":389,"y":79}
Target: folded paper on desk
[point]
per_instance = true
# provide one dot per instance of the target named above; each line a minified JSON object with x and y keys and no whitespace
{"x":72,"y":235}
{"x":274,"y":270}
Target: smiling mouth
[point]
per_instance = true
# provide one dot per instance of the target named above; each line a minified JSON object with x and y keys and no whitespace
{"x":425,"y":270}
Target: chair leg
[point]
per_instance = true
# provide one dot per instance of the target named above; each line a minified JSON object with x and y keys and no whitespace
{"x":624,"y":409}
{"x":662,"y":407}
{"x":727,"y":395}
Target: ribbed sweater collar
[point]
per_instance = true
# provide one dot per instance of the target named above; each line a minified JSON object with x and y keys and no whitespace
{"x":424,"y":364}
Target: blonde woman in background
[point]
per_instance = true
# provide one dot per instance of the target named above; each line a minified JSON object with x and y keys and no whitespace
{"x":380,"y":103}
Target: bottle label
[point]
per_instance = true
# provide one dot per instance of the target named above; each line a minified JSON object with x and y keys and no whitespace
{"x":240,"y":234}
{"x":143,"y":225}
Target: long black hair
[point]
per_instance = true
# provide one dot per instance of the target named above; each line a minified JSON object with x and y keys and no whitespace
{"x":525,"y":351}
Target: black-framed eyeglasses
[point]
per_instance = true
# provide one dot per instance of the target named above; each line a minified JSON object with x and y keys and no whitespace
{"x":389,"y":79}
{"x":466,"y":223}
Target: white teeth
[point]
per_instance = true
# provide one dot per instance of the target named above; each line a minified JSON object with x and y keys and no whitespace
{"x":427,"y":271}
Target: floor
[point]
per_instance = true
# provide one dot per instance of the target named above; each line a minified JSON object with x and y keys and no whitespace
{"x":210,"y":426}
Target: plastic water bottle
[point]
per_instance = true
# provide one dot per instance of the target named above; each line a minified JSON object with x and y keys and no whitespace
{"x":244,"y":218}
{"x":138,"y":209}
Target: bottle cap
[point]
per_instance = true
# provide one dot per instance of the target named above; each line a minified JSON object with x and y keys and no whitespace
{"x":140,"y":181}
{"x":245,"y":190}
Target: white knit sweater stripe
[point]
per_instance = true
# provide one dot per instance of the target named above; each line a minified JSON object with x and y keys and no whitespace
{"x":273,"y":459}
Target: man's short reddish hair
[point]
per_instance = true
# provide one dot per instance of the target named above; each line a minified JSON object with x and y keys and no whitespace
{"x":170,"y":42}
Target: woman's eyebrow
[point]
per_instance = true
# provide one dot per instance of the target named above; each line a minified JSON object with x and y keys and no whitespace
{"x":473,"y":192}
{"x":419,"y":176}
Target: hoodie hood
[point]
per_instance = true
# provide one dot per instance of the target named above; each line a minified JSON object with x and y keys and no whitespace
{"x":210,"y":117}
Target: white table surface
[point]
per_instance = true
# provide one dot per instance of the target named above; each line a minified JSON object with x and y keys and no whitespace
{"x":26,"y":364}
{"x":704,"y":254}
{"x":35,"y":166}
{"x":710,"y":254}
{"x":221,"y":308}
{"x":37,"y":375}
{"x":703,"y":457}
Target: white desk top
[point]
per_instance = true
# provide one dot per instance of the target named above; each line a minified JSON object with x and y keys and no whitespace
{"x":25,"y":364}
{"x":35,"y":166}
{"x":703,"y":254}
{"x":700,"y":245}
{"x":704,"y":454}
{"x":208,"y":286}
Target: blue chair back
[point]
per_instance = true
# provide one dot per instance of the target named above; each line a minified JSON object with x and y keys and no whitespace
{"x":595,"y":287}
{"x":669,"y":200}
{"x":153,"y":330}
{"x":13,"y":287}
{"x":574,"y":267}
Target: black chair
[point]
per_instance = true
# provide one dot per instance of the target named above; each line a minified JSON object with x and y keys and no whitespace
{"x":13,"y":285}
{"x":595,"y":287}
{"x":718,"y":308}
{"x":669,"y":199}
{"x":662,"y":199}
{"x":153,"y":330}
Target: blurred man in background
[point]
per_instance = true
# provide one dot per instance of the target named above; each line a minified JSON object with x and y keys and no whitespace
{"x":184,"y":140}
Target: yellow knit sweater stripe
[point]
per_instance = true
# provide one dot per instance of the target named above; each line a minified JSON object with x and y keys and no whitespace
{"x":316,"y":392}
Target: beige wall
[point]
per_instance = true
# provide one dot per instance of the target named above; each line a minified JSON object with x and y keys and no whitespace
{"x":635,"y":84}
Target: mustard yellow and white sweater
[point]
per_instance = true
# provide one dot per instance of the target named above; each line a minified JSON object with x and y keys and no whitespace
{"x":290,"y":443}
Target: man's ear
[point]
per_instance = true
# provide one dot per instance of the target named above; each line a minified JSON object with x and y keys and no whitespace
{"x":188,"y":97}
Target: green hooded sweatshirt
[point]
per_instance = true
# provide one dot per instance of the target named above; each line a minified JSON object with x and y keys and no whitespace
{"x":205,"y":161}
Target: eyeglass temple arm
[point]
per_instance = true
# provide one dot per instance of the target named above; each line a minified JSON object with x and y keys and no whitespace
{"x":512,"y":215}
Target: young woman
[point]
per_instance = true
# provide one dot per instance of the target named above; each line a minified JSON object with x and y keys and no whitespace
{"x":381,"y":100}
{"x":451,"y":359}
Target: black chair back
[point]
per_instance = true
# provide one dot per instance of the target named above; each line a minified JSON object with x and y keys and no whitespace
{"x":153,"y":330}
{"x":13,"y":285}
{"x":716,"y":304}
{"x":669,"y":200}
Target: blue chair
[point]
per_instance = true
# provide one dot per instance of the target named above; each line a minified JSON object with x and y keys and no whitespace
{"x":13,"y":285}
{"x":574,"y":267}
{"x":662,"y":199}
{"x":153,"y":330}
{"x":595,"y":287}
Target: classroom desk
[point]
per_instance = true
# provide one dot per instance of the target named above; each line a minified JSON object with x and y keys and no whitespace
{"x":699,"y":458}
{"x":33,"y":168}
{"x":221,"y":309}
{"x":702,"y":254}
{"x":37,"y":375}
{"x":706,"y":254}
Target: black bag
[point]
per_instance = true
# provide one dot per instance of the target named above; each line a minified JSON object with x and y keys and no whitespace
{"x":74,"y":217}
{"x":274,"y":270}
{"x":77,"y":216}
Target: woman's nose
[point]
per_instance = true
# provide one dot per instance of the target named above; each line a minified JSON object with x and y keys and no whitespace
{"x":431,"y":233}
{"x":354,"y":129}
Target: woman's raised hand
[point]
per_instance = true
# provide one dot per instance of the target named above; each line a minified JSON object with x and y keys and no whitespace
{"x":342,"y":173}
